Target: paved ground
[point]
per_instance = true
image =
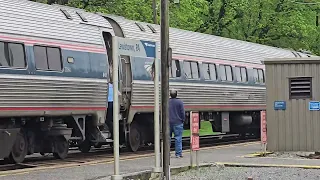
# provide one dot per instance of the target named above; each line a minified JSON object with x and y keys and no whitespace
{"x":232,"y":154}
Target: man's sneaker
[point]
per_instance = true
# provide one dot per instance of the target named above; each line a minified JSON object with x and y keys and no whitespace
{"x":179,"y":156}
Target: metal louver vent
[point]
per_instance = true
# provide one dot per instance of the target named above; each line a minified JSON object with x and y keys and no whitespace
{"x":300,"y":88}
{"x":140,"y":26}
{"x":82,"y":17}
{"x":65,"y":12}
{"x":152,"y":28}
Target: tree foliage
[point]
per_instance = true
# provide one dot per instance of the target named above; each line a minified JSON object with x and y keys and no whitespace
{"x":281,"y":23}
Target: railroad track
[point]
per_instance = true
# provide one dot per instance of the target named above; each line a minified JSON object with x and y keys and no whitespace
{"x":105,"y":155}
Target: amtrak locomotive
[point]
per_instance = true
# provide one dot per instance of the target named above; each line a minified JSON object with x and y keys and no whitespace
{"x":55,"y":66}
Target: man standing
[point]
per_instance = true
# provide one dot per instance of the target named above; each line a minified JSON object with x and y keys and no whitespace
{"x":109,"y":120}
{"x":176,"y":119}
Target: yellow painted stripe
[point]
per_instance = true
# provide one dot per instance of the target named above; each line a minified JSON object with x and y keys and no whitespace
{"x":256,"y":154}
{"x":22,"y":173}
{"x":269,"y":165}
{"x":295,"y":159}
{"x":104,"y":161}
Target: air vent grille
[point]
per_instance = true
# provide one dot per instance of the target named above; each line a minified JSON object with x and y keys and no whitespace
{"x":300,"y":88}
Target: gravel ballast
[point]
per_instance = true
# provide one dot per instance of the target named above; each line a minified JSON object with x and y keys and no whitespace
{"x":242,"y":173}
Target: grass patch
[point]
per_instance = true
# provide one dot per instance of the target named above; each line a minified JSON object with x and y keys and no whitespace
{"x":206,"y":129}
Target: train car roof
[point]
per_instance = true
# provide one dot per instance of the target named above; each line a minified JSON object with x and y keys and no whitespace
{"x":203,"y":45}
{"x":27,"y":18}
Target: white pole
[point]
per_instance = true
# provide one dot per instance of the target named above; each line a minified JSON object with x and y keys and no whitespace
{"x":157,"y":168}
{"x":115,"y":59}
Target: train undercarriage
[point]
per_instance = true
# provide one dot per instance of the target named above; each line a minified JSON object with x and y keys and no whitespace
{"x":141,"y":130}
{"x":26,"y":136}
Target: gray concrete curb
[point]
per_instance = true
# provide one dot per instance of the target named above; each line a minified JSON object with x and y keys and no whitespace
{"x":149,"y":175}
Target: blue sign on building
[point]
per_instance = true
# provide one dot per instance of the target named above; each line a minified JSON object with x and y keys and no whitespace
{"x":314,"y":106}
{"x":280,"y":105}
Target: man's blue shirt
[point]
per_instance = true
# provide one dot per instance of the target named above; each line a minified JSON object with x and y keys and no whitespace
{"x":176,"y":111}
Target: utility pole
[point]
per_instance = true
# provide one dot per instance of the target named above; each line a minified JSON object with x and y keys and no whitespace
{"x":154,"y":7}
{"x":165,"y":87}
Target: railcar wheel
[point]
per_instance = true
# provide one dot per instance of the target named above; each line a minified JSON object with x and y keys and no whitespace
{"x":85,"y":146}
{"x":19,"y":149}
{"x":61,"y":148}
{"x":98,"y":145}
{"x":135,"y":137}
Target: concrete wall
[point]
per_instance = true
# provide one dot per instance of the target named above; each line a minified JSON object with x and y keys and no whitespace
{"x":296,"y":128}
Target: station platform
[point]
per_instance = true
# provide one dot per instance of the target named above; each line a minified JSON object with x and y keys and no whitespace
{"x":242,"y":154}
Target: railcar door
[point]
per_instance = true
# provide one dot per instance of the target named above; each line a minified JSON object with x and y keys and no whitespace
{"x":125,"y":80}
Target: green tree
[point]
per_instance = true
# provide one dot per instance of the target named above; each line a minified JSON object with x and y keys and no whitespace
{"x":279,"y":23}
{"x":186,"y":15}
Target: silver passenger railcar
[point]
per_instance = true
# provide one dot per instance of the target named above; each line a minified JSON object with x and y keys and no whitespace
{"x":53,"y":79}
{"x":221,"y":78}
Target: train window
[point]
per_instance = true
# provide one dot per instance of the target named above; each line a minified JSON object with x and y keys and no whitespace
{"x":187,"y":69}
{"x":237,"y":72}
{"x":209,"y":71}
{"x":40,"y":56}
{"x":244,"y":76}
{"x":172,"y":71}
{"x":16,"y":54}
{"x":54,"y":58}
{"x":261,"y":75}
{"x":229,"y":73}
{"x":4,"y":59}
{"x":258,"y":75}
{"x":241,"y":74}
{"x":47,"y":58}
{"x":255,"y":75}
{"x":195,"y":70}
{"x":213,"y":71}
{"x":175,"y":69}
{"x":12,"y":55}
{"x":206,"y":71}
{"x":223,"y":73}
{"x":226,"y":73}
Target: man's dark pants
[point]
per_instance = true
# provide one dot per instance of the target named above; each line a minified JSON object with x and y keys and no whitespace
{"x":109,"y":120}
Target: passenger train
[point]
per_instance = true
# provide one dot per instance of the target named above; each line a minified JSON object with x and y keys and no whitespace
{"x":55,"y":69}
